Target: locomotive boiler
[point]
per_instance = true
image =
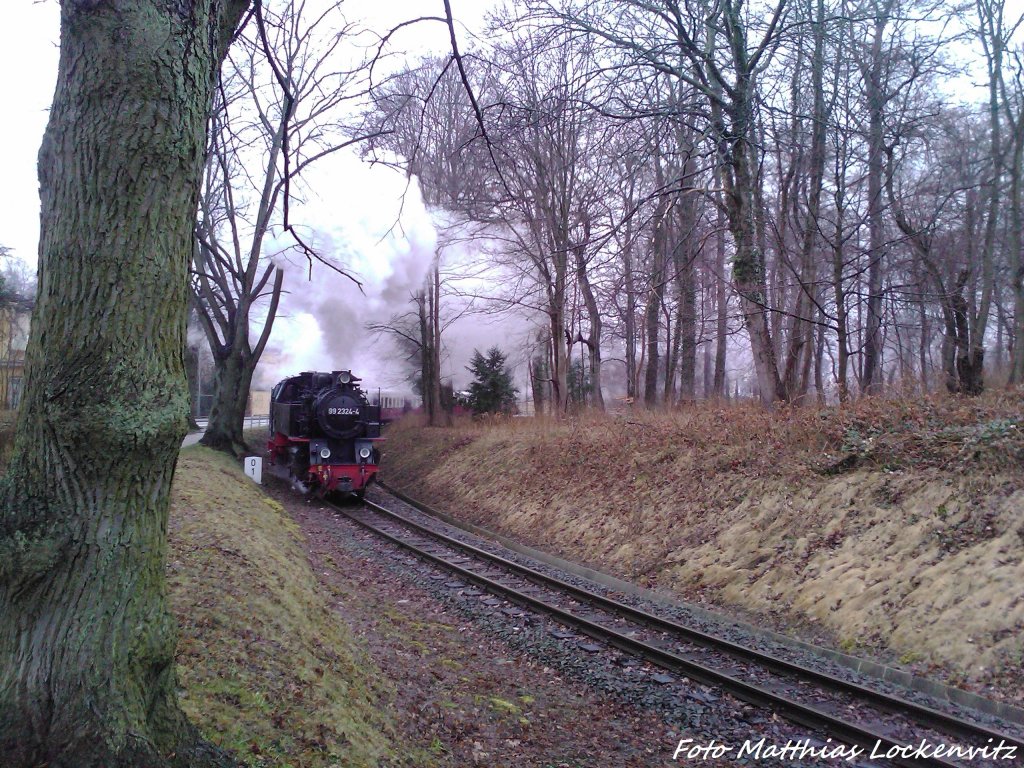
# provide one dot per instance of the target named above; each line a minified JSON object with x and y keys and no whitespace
{"x":325,"y":433}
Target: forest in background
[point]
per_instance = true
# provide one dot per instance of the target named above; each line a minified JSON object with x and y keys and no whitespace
{"x":797,"y":201}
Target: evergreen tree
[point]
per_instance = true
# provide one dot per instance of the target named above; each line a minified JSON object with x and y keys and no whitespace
{"x":491,"y":390}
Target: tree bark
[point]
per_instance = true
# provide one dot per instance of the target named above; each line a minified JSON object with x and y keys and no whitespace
{"x":430,"y":380}
{"x":87,"y":677}
{"x":655,"y":299}
{"x":749,"y":274}
{"x":801,"y":328}
{"x":593,"y":340}
{"x":721,"y":309}
{"x":838,"y":283}
{"x":629,"y":318}
{"x":232,"y":377}
{"x":235,"y":363}
{"x":1016,"y":259}
{"x":924,"y":341}
{"x":871,"y":375}
{"x":738,"y":171}
{"x":225,"y":289}
{"x":685,"y":253}
{"x":992,"y":39}
{"x":956,"y":363}
{"x":192,"y":376}
{"x":539,"y":376}
{"x":438,"y":416}
{"x":560,"y":347}
{"x":686,"y":322}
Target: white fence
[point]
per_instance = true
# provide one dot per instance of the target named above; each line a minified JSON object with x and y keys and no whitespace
{"x":250,"y":422}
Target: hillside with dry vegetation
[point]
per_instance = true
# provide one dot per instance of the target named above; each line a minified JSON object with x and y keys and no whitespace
{"x":887,"y":527}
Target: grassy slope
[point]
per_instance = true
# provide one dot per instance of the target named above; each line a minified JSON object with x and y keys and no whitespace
{"x":897,"y":525}
{"x":266,"y":667}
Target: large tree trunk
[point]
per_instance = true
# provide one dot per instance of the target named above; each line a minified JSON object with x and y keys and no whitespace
{"x":871,"y":375}
{"x":629,"y":319}
{"x":593,"y":340}
{"x":437,"y":415}
{"x":232,"y":378}
{"x":428,"y":313}
{"x":738,"y":171}
{"x":651,"y":372}
{"x":561,"y":342}
{"x":801,"y":328}
{"x":539,"y":378}
{"x":655,"y":299}
{"x":192,"y":376}
{"x":924,"y":340}
{"x":426,"y":357}
{"x":685,"y":253}
{"x":721,"y":310}
{"x":235,"y":364}
{"x":840,"y":293}
{"x":1016,"y":262}
{"x":819,"y":359}
{"x":974,"y":363}
{"x":87,"y":642}
{"x":559,"y":360}
{"x":686,"y":323}
{"x":749,"y":279}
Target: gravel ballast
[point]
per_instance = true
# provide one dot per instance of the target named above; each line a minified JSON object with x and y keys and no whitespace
{"x":484,"y":682}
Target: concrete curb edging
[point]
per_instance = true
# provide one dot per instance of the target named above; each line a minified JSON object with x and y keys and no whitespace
{"x":864,"y":666}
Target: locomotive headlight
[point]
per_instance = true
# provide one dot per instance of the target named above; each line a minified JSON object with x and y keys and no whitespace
{"x":325,"y":452}
{"x":364,"y":452}
{"x":345,"y":377}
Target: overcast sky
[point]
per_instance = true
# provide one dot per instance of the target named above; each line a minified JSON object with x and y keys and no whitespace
{"x":28,"y":59}
{"x":29,"y":41}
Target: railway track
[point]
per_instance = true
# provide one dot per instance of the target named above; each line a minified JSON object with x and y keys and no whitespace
{"x":887,"y":728}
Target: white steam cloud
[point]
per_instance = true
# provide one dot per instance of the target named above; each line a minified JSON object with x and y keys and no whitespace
{"x":372,"y":223}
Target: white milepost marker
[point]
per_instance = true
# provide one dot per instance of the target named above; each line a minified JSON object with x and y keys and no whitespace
{"x":254,"y":468}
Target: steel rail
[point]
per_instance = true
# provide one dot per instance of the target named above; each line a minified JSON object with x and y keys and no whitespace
{"x":850,"y":733}
{"x":923,"y":715}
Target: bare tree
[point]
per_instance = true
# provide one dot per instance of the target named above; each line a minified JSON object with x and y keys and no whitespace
{"x":994,"y":32}
{"x":1013,"y":106}
{"x":804,"y":124}
{"x":705,"y":47}
{"x":286,"y":98}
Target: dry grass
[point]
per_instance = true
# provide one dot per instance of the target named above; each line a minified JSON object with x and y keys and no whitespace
{"x":937,"y":431}
{"x":267,"y":667}
{"x":890,"y":523}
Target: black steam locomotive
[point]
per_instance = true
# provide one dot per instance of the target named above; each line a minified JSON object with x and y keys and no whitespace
{"x":324,"y":431}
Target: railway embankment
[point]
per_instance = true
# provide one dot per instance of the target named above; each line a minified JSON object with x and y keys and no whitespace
{"x":267,"y":666}
{"x":888,"y":529}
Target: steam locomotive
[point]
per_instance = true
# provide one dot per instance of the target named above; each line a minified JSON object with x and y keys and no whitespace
{"x":325,"y":433}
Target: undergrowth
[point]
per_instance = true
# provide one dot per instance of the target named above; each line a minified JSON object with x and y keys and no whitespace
{"x":936,"y":431}
{"x":895,"y":522}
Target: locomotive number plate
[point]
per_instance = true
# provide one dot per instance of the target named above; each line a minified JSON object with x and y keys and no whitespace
{"x":342,"y":411}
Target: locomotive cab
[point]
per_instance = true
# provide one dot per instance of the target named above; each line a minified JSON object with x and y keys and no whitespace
{"x":325,"y":432}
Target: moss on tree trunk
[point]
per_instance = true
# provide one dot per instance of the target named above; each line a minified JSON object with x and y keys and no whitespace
{"x":86,"y":639}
